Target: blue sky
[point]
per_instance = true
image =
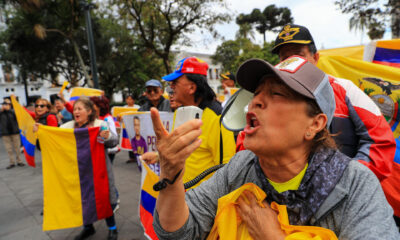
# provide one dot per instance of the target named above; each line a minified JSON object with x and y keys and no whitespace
{"x":329,"y":27}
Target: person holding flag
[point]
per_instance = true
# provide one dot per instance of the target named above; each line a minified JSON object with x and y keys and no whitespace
{"x":85,"y":116}
{"x":42,"y":113}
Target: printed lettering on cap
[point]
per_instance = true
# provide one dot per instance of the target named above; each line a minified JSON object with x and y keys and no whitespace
{"x":291,"y":64}
{"x":189,"y":69}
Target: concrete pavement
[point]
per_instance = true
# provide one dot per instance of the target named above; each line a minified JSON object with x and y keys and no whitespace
{"x":21,"y":201}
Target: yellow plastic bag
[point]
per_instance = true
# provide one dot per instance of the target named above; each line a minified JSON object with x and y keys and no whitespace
{"x":228,"y":225}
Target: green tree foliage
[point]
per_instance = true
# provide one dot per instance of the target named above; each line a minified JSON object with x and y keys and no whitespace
{"x":232,"y":53}
{"x":44,"y":36}
{"x":122,"y":59}
{"x":373,"y":15}
{"x":123,"y":63}
{"x":36,"y":56}
{"x":245,"y":31}
{"x":163,"y":23}
{"x":272,"y":19}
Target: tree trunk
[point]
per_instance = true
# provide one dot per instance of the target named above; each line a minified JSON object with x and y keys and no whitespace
{"x":396,"y":24}
{"x":167,"y":65}
{"x":83,"y":66}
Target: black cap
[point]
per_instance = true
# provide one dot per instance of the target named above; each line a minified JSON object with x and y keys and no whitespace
{"x":292,"y":33}
{"x":227,"y":76}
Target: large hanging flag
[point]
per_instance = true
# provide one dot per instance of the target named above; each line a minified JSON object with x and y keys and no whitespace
{"x":77,"y":92}
{"x":75,"y":180}
{"x":356,"y":52}
{"x":28,"y":137}
{"x":381,"y":83}
{"x":148,"y":199}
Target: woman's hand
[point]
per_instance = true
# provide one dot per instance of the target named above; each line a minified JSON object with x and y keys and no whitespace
{"x":262,"y":222}
{"x":105,"y":134}
{"x":173,"y":148}
{"x":150,"y":157}
{"x":36,"y":127}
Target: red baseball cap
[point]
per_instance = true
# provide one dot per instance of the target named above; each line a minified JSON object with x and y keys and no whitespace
{"x":191,"y":65}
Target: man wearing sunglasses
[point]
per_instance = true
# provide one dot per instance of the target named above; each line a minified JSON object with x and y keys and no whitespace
{"x":154,"y":97}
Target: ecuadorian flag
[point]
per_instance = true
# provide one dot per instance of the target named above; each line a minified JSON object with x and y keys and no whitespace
{"x":75,"y":180}
{"x":124,"y":141}
{"x":381,"y":83}
{"x":25,"y":124}
{"x":77,"y":92}
{"x":148,"y":199}
{"x":387,"y":52}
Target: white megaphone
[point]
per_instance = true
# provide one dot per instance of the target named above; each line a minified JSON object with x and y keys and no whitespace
{"x":234,"y":112}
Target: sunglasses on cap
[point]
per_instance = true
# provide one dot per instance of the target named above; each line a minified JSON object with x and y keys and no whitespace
{"x":40,"y":105}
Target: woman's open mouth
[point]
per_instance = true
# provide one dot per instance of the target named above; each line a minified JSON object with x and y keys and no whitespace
{"x":252,"y":123}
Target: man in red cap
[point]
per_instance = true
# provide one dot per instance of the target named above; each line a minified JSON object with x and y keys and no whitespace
{"x":190,"y":88}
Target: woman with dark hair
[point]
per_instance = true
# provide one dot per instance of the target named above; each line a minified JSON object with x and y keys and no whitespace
{"x":85,"y":116}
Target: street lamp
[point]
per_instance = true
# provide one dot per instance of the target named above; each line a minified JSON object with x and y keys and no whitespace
{"x":92,"y":51}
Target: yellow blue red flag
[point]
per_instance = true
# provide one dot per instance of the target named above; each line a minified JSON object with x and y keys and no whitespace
{"x":25,"y":125}
{"x":75,"y":180}
{"x":387,"y":52}
{"x":117,"y":113}
{"x":381,"y":83}
{"x":77,"y":92}
{"x":148,"y":199}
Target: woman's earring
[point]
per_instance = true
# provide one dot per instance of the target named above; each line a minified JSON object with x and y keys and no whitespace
{"x":308,"y":134}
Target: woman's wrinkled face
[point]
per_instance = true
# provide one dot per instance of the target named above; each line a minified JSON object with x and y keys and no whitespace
{"x":81,"y":114}
{"x":41,"y":108}
{"x":277,"y":119}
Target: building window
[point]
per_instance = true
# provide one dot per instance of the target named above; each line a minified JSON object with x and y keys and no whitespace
{"x":8,"y":73}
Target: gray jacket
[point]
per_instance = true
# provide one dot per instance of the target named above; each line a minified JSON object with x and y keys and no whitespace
{"x":355,"y":209}
{"x":163,"y":105}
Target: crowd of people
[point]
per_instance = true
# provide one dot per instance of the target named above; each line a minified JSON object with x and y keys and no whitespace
{"x":312,"y":142}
